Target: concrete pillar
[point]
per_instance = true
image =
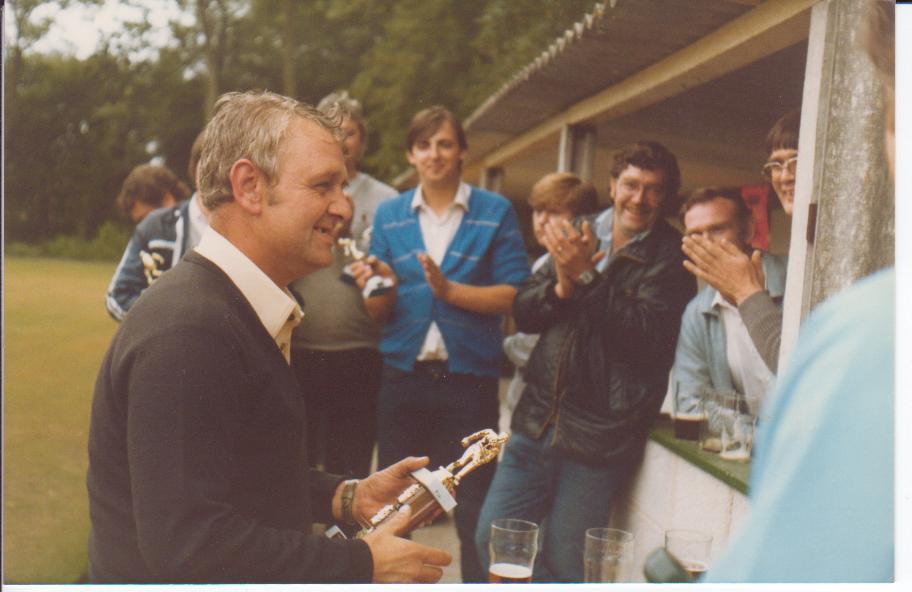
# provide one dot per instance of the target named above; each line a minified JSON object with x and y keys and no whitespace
{"x":492,"y":179}
{"x":576,"y":151}
{"x":843,"y":226}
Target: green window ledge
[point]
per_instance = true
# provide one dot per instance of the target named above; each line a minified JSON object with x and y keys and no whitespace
{"x":736,"y":474}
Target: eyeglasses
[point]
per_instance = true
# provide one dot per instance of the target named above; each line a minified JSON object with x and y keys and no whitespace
{"x":774,"y":168}
{"x":630,"y":187}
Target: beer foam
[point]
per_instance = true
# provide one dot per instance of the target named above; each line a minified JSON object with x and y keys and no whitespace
{"x":511,"y":570}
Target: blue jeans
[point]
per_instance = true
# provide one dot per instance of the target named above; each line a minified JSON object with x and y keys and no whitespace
{"x":535,"y":482}
{"x":427,"y":412}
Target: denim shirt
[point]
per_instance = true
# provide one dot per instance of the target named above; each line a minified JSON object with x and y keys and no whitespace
{"x":602,"y":226}
{"x":700,"y":358}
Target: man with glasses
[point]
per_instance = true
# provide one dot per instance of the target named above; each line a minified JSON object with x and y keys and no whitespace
{"x":822,"y":479}
{"x":608,"y":306}
{"x":739,"y":276}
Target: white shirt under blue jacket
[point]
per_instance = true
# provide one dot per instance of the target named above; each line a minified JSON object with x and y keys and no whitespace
{"x":822,"y":479}
{"x":486,"y":250}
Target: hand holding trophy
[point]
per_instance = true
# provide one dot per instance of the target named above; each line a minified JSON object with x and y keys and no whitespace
{"x":376,"y":284}
{"x":433,"y":493}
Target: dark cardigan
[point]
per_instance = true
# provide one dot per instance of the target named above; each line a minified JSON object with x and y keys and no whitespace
{"x":197,"y":448}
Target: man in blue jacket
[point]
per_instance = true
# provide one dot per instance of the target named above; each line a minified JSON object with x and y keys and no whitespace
{"x":457,"y":256}
{"x":715,"y":348}
{"x":158,"y":243}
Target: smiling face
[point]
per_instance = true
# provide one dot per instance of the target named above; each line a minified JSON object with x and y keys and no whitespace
{"x":438,"y":157}
{"x":783,"y":178}
{"x":306,"y":207}
{"x":638,"y":195}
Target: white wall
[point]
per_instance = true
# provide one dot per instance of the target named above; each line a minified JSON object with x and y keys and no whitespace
{"x":669,"y":492}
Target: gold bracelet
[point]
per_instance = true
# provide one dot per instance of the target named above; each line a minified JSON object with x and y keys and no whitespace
{"x":348,"y":496}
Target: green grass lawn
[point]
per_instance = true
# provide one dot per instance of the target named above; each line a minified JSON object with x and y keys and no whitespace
{"x":56,"y":331}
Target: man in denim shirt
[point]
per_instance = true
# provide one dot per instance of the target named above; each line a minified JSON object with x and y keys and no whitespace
{"x":714,"y":348}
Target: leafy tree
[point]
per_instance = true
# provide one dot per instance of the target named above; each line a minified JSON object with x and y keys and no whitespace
{"x":85,"y":123}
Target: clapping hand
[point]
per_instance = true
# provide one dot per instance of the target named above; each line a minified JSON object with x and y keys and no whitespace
{"x":438,"y":282}
{"x":572,"y":251}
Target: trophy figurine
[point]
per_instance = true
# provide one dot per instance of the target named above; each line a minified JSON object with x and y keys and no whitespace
{"x":433,"y":494}
{"x":152,"y":263}
{"x":376,"y":285}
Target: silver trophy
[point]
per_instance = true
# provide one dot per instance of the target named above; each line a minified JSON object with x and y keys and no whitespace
{"x":376,"y":284}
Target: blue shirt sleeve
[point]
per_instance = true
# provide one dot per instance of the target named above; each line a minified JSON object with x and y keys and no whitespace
{"x":129,"y":279}
{"x":822,"y":480}
{"x":510,"y":264}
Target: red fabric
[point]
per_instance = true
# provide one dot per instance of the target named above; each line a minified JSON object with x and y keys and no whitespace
{"x":756,"y":197}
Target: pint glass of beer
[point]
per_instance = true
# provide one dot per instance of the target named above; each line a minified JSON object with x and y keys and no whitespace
{"x":607,"y":555}
{"x":513,"y":546}
{"x":691,"y":548}
{"x":688,"y":414}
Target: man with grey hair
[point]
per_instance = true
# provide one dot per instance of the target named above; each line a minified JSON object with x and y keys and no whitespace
{"x":197,"y":451}
{"x":334,"y":349}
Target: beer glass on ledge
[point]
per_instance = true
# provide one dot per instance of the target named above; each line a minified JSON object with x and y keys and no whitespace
{"x":513,"y":546}
{"x":691,"y":548}
{"x":607,"y":555}
{"x":688,"y":415}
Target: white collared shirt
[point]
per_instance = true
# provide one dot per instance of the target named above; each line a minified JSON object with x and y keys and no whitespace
{"x":276,"y":308}
{"x":198,"y":221}
{"x":438,"y":232}
{"x":748,"y":370}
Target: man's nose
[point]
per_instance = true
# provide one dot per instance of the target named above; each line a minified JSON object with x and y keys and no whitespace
{"x":788,"y":172}
{"x":341,"y":205}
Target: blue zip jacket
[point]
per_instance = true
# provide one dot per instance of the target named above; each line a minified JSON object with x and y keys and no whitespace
{"x":487,"y":250}
{"x":700,"y":358}
{"x":164,"y":232}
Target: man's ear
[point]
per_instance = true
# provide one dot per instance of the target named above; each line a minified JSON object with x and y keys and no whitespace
{"x":612,"y":188}
{"x":248,"y":185}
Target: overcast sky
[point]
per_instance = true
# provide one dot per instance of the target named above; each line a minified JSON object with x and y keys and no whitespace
{"x":78,"y":29}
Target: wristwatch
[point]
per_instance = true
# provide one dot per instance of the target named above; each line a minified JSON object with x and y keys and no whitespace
{"x":586,"y":278}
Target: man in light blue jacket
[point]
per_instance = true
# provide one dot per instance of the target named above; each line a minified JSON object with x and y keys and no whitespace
{"x":715,"y":349}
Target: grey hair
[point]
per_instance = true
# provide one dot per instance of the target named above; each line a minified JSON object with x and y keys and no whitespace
{"x":347,"y":106}
{"x":252,"y":125}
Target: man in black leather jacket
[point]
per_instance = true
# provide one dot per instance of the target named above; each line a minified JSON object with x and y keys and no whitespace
{"x":608,"y":306}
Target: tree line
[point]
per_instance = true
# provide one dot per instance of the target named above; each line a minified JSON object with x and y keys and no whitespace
{"x":75,"y":127}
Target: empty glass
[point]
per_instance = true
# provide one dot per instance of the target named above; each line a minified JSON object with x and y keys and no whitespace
{"x":729,"y":425}
{"x":608,"y":555}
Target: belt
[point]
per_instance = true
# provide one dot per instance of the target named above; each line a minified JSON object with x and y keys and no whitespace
{"x":435,"y":369}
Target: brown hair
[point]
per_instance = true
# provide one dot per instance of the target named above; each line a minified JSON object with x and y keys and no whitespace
{"x":149,"y":184}
{"x":564,"y":190}
{"x":426,"y":122}
{"x":784,"y":133}
{"x":707,"y":194}
{"x":651,"y":156}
